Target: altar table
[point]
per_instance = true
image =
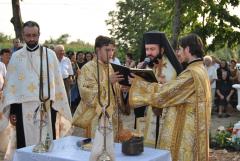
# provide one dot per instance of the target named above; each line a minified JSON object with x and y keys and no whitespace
{"x":66,"y":149}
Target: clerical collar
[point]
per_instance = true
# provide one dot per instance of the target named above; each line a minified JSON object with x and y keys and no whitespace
{"x":196,"y":60}
{"x":32,"y":49}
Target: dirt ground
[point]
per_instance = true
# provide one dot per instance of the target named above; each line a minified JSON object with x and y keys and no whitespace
{"x":216,"y":155}
{"x":224,"y":155}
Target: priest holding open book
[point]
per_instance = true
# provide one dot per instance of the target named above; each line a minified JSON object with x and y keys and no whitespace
{"x":158,"y":64}
{"x":185,"y":100}
{"x":158,"y":55}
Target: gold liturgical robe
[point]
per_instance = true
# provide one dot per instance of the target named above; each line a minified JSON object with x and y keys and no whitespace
{"x":185,"y":128}
{"x":88,"y":111}
{"x":164,"y":73}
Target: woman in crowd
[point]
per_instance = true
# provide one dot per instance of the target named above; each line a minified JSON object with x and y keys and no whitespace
{"x":129,"y":62}
{"x":75,"y":97}
{"x":224,"y":93}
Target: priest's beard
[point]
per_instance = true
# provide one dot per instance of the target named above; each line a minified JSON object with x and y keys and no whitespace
{"x":32,"y":45}
{"x":154,"y":60}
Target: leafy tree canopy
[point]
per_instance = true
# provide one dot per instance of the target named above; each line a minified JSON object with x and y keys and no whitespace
{"x":73,"y":45}
{"x":5,"y":41}
{"x":4,"y":38}
{"x":209,"y":19}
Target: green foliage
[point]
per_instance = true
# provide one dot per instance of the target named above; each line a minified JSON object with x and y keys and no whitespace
{"x":209,"y":19}
{"x":5,"y":41}
{"x":227,"y":53}
{"x":224,"y":53}
{"x":4,"y":38}
{"x":133,"y":18}
{"x":212,"y":20}
{"x":61,"y":40}
{"x":5,"y":45}
{"x":79,"y":45}
{"x":223,"y":138}
{"x":237,"y":52}
{"x":73,"y":45}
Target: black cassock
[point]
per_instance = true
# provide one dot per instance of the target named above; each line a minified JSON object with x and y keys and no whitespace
{"x":16,"y":109}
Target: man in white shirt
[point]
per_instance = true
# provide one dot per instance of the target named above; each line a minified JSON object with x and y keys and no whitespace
{"x":212,"y":74}
{"x":4,"y":131}
{"x":3,"y":72}
{"x":115,"y":60}
{"x":65,"y":66}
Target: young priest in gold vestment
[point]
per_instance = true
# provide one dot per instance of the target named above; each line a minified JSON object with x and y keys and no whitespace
{"x":88,"y":111}
{"x":185,"y":128}
{"x":95,"y":93}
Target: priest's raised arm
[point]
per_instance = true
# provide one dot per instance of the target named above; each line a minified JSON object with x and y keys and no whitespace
{"x":187,"y":104}
{"x":158,"y":95}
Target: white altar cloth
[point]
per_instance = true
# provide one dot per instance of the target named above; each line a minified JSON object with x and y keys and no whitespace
{"x":65,"y":149}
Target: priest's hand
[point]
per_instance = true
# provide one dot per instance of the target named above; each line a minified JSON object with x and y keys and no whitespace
{"x":78,"y":72}
{"x":140,"y":65}
{"x":116,"y":77}
{"x":131,"y":77}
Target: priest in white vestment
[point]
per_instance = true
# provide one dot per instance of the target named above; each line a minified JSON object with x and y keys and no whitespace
{"x":22,"y":89}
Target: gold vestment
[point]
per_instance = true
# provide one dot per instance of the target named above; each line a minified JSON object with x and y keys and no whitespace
{"x":187,"y":103}
{"x":89,"y":108}
{"x":164,"y":72}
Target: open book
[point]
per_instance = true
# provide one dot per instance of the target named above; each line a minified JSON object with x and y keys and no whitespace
{"x":146,"y":74}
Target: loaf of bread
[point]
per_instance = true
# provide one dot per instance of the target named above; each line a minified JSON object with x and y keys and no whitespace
{"x":124,"y":135}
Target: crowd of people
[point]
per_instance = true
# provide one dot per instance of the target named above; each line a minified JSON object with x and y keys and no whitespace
{"x":75,"y":86}
{"x":222,"y":75}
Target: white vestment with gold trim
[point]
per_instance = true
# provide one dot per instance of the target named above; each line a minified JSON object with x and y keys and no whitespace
{"x":22,"y":86}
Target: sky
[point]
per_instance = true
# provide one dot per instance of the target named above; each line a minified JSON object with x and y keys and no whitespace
{"x":81,"y":19}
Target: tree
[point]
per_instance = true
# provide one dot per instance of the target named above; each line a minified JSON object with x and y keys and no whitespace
{"x":61,"y":40}
{"x":209,"y":19}
{"x":73,"y":45}
{"x":212,"y":19}
{"x":80,"y":45}
{"x":5,"y":41}
{"x":129,"y":23}
{"x":176,"y":26}
{"x":16,"y":20}
{"x":134,"y":17}
{"x":4,"y":38}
